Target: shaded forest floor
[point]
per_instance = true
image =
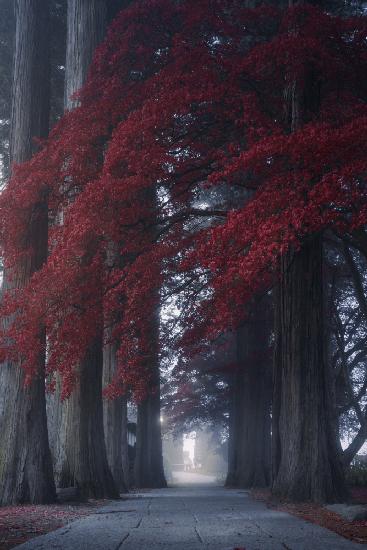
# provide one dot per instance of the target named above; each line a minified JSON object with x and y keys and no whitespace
{"x":21,"y":523}
{"x":352,"y":530}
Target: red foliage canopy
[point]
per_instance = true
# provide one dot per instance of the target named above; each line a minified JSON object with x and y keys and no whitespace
{"x":183,"y":96}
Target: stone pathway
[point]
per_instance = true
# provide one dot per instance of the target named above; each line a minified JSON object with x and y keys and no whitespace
{"x":192,"y":518}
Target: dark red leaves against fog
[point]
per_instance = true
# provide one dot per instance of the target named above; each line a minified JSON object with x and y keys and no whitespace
{"x":182,"y":98}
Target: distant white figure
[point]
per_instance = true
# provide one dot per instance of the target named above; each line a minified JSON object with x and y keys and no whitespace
{"x":188,"y":464}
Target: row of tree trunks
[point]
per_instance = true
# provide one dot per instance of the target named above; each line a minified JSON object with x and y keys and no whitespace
{"x":306,"y":462}
{"x":90,"y":455}
{"x":25,"y":461}
{"x":76,"y":429}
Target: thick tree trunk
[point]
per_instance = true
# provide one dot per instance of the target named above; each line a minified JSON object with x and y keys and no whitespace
{"x":115,"y":423}
{"x":81,"y":458}
{"x":148,"y":467}
{"x":253,"y":466}
{"x":86,"y":27}
{"x":306,"y":466}
{"x":148,"y":470}
{"x":250,"y":433}
{"x":25,"y":460}
{"x":84,"y":460}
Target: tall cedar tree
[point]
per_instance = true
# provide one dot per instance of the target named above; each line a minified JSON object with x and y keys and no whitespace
{"x":115,"y":420}
{"x":82,"y":458}
{"x":306,"y":462}
{"x":25,"y":460}
{"x":249,"y":460}
{"x":148,"y":467}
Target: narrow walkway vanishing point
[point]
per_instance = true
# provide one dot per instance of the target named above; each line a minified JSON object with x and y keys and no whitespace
{"x":194,"y":518}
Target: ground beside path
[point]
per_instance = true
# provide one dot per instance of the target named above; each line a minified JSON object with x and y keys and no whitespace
{"x":191,"y":518}
{"x":21,"y":523}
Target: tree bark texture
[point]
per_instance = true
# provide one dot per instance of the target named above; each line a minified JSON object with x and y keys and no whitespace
{"x":235,"y":429}
{"x":250,"y":432}
{"x":25,"y":460}
{"x":86,"y":27}
{"x":115,"y":424}
{"x":148,"y":468}
{"x":82,"y":447}
{"x":306,"y":465}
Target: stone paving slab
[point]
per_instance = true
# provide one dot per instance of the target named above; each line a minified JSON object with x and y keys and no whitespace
{"x":194,"y":518}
